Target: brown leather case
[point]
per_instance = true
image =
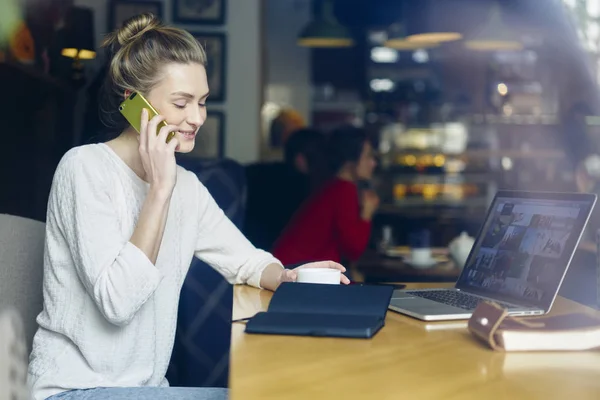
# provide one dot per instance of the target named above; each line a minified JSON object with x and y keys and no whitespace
{"x":490,"y":321}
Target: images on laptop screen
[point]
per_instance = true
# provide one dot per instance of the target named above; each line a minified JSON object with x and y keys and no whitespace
{"x":524,"y":249}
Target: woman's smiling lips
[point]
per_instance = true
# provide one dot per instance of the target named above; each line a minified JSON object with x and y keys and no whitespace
{"x":188,"y":134}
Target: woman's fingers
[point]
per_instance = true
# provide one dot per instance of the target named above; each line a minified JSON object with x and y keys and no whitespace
{"x":153,"y":129}
{"x":143,"y":130}
{"x":164,"y":132}
{"x":324,"y":264}
{"x":172,"y":145}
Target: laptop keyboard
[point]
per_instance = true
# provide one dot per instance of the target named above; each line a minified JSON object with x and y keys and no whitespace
{"x":454,"y":298}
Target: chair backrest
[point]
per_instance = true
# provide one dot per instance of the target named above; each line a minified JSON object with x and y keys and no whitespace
{"x":21,"y":268}
{"x":200,"y":355}
{"x":275,"y":192}
{"x":13,"y":357}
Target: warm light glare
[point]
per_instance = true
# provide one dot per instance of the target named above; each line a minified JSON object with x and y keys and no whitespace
{"x":424,"y":161}
{"x":439,"y":160}
{"x":399,"y":191}
{"x":325,"y":42}
{"x":454,"y":166}
{"x":410,"y":160}
{"x":490,"y":45}
{"x":71,"y":53}
{"x":435,"y":37}
{"x":431,"y":191}
{"x":83,"y":54}
{"x":87,"y":54}
{"x":502,"y":89}
{"x":403,"y":44}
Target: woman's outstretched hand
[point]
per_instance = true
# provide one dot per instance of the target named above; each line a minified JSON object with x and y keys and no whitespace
{"x":290,"y":275}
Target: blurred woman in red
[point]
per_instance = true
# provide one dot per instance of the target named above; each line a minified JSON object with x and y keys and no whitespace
{"x":335,"y":223}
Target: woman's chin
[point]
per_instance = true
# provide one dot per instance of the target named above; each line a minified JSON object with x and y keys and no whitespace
{"x":185,"y":146}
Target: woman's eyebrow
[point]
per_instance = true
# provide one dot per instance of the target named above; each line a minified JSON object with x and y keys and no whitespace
{"x":189,"y":95}
{"x":183,"y":94}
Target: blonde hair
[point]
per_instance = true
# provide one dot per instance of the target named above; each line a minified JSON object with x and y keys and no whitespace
{"x":138,"y":51}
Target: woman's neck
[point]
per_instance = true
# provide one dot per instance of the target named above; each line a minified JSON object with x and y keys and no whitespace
{"x":126,"y":146}
{"x":346,"y":175}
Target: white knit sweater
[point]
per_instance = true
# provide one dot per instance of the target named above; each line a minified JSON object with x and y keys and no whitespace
{"x":109,"y":314}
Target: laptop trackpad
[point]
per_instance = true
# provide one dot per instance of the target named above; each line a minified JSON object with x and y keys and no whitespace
{"x":424,"y":306}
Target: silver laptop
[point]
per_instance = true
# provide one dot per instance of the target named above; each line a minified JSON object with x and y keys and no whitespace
{"x":519,"y":259}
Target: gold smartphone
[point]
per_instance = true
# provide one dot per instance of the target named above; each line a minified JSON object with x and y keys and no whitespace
{"x":132,"y":108}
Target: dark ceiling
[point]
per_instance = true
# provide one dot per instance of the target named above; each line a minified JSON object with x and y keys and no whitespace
{"x":366,"y":13}
{"x":345,"y":67}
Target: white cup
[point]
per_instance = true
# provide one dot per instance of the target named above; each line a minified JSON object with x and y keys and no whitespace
{"x":420,"y":256}
{"x":319,"y":275}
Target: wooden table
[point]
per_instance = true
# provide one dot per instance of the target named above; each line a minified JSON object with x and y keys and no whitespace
{"x":407,"y":359}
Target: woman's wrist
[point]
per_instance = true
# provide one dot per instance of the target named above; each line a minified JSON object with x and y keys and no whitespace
{"x":272,"y":276}
{"x":159,"y":192}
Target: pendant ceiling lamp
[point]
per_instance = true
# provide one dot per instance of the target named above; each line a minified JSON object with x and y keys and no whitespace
{"x":79,"y":41}
{"x":325,"y":30}
{"x":432,"y":21}
{"x":495,"y":35}
{"x":397,"y":40}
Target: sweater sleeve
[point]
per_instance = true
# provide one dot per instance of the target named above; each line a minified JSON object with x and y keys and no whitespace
{"x":116,"y":274}
{"x":222,"y":246}
{"x":352,"y":232}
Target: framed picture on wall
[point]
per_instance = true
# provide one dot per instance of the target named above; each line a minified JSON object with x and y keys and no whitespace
{"x":207,"y":12}
{"x":120,"y":10}
{"x":215,"y":45}
{"x":210,"y":141}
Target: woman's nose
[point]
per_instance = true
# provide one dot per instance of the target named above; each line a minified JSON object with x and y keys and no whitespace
{"x":196,"y":118}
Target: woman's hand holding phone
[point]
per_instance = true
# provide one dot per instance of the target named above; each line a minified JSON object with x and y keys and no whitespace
{"x":158,"y":160}
{"x":158,"y":156}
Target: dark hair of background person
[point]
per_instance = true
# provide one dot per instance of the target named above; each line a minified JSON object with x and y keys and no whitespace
{"x":345,"y":144}
{"x":308,"y":142}
{"x":277,"y":190}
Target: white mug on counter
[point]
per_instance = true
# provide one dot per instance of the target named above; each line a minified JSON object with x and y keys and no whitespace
{"x":319,"y":275}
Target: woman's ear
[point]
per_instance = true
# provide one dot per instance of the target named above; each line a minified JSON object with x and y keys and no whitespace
{"x":127,"y":93}
{"x":301,"y":163}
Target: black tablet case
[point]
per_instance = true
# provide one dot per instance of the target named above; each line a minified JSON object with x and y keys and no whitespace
{"x":307,"y":309}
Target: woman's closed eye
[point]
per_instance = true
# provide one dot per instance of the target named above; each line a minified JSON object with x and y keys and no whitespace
{"x":182,"y":106}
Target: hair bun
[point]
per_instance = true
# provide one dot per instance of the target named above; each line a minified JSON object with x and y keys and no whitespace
{"x":135,"y":27}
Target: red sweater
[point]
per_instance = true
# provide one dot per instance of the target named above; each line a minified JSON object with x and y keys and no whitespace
{"x":327,"y":226}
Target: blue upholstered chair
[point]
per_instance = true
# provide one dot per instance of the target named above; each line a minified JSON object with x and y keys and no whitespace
{"x":200,"y":355}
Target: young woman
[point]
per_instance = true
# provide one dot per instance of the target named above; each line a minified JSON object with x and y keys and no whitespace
{"x":123,"y":224}
{"x":336,"y":222}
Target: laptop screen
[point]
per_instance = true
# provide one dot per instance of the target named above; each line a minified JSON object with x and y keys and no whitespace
{"x":525,"y":247}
